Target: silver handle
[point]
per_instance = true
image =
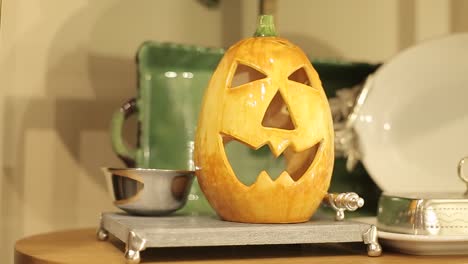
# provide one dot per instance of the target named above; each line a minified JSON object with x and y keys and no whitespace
{"x":346,"y":138}
{"x":341,"y":202}
{"x":461,"y":174}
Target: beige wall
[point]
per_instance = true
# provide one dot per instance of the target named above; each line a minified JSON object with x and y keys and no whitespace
{"x":66,"y":65}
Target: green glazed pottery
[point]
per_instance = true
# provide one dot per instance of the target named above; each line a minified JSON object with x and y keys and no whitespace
{"x":170,"y":85}
{"x":171,"y":81}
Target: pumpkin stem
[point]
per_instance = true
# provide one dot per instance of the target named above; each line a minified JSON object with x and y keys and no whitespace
{"x":265,"y":27}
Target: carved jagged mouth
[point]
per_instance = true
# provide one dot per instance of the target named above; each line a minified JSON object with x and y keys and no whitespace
{"x":248,"y":163}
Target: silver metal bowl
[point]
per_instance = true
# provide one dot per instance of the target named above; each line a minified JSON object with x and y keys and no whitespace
{"x":148,"y":191}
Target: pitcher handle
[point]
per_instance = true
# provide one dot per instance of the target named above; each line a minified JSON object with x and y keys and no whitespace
{"x":127,"y":155}
{"x":461,"y":174}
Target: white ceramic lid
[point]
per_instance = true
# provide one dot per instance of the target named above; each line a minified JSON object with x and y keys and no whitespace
{"x":413,"y":125}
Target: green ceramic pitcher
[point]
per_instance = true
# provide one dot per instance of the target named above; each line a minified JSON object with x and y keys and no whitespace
{"x":171,"y":80}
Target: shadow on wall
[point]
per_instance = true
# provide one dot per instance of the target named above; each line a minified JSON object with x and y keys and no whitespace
{"x":82,"y":88}
{"x":60,"y":110}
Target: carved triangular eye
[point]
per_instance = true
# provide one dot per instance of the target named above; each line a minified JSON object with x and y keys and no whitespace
{"x":277,"y":114}
{"x":300,"y":76}
{"x":245,"y":74}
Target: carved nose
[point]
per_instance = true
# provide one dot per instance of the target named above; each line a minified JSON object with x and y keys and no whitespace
{"x":277,"y":114}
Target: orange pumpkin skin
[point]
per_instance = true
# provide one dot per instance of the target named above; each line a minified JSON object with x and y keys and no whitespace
{"x":237,"y":113}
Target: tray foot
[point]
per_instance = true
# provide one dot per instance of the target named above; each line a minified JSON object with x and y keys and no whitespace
{"x":135,"y":244}
{"x":370,"y":239}
{"x":101,"y":233}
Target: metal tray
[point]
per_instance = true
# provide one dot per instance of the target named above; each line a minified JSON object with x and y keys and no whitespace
{"x":441,"y":214}
{"x":429,"y":214}
{"x":139,"y":233}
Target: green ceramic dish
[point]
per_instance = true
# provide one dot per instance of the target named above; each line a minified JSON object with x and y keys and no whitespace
{"x":171,"y":82}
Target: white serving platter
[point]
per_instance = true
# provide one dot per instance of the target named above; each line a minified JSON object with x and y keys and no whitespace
{"x":424,"y":245}
{"x":421,"y":244}
{"x":413,"y":124}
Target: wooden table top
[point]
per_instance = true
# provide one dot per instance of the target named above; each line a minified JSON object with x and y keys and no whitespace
{"x":81,"y":246}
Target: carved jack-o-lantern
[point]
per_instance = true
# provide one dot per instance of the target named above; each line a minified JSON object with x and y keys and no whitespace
{"x":265,"y":92}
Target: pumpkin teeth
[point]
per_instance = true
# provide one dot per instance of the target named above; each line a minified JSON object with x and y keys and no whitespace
{"x":295,"y":163}
{"x":285,"y":179}
{"x":263,"y":179}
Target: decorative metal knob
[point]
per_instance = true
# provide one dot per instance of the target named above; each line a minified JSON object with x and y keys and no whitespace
{"x":341,"y":202}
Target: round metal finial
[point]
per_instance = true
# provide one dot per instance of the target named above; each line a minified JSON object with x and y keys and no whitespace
{"x":360,"y":202}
